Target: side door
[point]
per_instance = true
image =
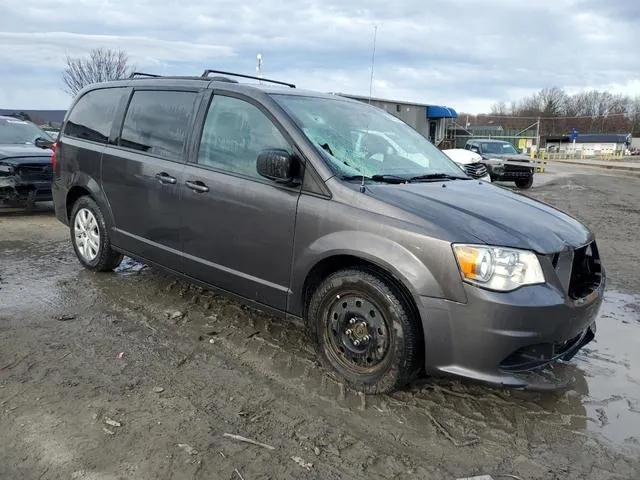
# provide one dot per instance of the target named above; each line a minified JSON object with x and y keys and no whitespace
{"x":142,"y":173}
{"x":238,"y":227}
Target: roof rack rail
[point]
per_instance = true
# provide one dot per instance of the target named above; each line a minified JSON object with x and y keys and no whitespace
{"x":142,"y":74}
{"x":222,"y":79}
{"x":207,"y":72}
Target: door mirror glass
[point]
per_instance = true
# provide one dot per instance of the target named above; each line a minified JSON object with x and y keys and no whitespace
{"x":278,"y":165}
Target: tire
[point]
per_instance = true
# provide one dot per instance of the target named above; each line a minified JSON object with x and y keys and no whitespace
{"x":98,"y":256}
{"x":524,"y":183}
{"x":388,"y":354}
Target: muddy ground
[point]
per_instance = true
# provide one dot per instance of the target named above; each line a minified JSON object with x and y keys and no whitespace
{"x":139,"y":375}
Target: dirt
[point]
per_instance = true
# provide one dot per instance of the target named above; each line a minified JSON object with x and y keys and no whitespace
{"x":137,"y":374}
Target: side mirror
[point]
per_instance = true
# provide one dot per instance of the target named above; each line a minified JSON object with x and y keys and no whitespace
{"x":278,"y":165}
{"x":43,"y":143}
{"x":475,"y":149}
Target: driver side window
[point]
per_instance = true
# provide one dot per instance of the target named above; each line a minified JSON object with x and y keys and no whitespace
{"x":234,"y":133}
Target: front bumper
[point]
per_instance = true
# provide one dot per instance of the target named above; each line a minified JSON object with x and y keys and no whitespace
{"x":510,"y":171}
{"x":495,"y":337}
{"x":15,"y":189}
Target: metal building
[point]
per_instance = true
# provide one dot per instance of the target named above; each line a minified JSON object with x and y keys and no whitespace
{"x":430,"y":120}
{"x":591,"y":144}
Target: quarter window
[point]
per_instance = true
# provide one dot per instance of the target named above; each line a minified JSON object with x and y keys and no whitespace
{"x":92,"y":116}
{"x":157,"y":122}
{"x":234,"y":133}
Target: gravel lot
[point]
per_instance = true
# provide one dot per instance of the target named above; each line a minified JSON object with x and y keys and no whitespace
{"x":137,"y":374}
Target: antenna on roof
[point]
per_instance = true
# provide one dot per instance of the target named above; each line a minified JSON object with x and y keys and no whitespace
{"x":373,"y":58}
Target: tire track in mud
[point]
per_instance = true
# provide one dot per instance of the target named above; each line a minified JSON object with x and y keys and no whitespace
{"x":346,"y":452}
{"x":441,"y":412}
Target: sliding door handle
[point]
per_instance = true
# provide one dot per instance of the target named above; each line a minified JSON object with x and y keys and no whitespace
{"x":163,"y":177}
{"x":197,"y":186}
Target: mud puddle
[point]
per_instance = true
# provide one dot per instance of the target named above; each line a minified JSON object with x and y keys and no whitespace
{"x":611,"y":370}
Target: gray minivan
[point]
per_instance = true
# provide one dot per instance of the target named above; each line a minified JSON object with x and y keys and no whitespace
{"x":399,"y":266}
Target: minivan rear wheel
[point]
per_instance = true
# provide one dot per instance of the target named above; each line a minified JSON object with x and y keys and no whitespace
{"x":364,"y":331}
{"x":90,"y":238}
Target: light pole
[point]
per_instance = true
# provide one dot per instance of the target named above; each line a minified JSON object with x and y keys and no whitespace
{"x":259,"y":66}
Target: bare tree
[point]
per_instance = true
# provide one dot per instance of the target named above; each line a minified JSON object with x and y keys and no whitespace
{"x":101,"y":65}
{"x":499,"y":108}
{"x":551,"y":101}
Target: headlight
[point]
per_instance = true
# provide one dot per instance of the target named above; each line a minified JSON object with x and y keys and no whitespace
{"x":497,"y":268}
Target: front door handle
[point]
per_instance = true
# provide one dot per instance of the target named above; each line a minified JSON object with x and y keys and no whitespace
{"x":163,"y":177}
{"x":197,"y":186}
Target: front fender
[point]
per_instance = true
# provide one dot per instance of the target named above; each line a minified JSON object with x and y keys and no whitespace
{"x":380,"y":251}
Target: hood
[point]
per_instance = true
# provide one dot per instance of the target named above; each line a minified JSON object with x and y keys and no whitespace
{"x":24,"y":150}
{"x":513,"y":157}
{"x":471,"y":210}
{"x":462,"y":157}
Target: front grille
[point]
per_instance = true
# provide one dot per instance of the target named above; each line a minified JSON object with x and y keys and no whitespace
{"x":586,"y":271}
{"x":579,"y":270}
{"x":476,"y":170}
{"x":517,"y":170}
{"x":34,"y":173}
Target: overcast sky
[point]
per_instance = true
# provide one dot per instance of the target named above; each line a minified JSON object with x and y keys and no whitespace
{"x":466,"y":54}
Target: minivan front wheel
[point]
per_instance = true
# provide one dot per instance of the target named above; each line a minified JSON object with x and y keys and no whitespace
{"x":90,"y":238}
{"x":364,"y":331}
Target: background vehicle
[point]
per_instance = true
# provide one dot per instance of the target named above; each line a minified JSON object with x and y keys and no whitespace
{"x":373,"y":146}
{"x":504,"y":162}
{"x":470,"y":162}
{"x":25,"y":163}
{"x":400,"y":265}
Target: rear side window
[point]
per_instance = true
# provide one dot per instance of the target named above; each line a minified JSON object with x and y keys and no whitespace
{"x":92,"y":116}
{"x":157,"y":122}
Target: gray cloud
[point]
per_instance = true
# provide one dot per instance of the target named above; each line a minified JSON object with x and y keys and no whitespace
{"x":466,"y":54}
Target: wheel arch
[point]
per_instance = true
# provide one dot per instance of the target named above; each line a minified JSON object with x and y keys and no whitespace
{"x":350,"y":247}
{"x":73,"y":195}
{"x":87,"y":186}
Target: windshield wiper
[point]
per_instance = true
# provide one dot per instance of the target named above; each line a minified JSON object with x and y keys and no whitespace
{"x":378,"y":178}
{"x":438,"y":176}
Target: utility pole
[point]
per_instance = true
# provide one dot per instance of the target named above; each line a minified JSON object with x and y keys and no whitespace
{"x":538,"y":154}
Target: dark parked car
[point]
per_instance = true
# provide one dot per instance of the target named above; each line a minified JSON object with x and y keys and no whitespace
{"x":504,"y":162}
{"x":399,"y":267}
{"x":25,"y":162}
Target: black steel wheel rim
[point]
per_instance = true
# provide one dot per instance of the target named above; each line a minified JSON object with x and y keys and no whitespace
{"x":357,"y":332}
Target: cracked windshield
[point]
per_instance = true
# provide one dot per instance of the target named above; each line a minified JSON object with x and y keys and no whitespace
{"x":357,"y":139}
